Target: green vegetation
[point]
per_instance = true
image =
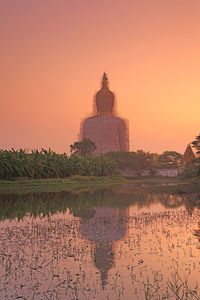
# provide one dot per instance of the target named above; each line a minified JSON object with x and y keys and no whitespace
{"x":138,"y":160}
{"x":193,"y":169}
{"x":80,"y":202}
{"x":196,"y":144}
{"x":83,"y":148}
{"x":81,"y":198}
{"x":169,"y":159}
{"x":48,"y":164}
{"x":24,"y":185}
{"x":197,"y":168}
{"x":141,"y":160}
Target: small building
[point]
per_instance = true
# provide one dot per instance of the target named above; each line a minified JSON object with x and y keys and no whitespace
{"x":129,"y":173}
{"x":168,"y":172}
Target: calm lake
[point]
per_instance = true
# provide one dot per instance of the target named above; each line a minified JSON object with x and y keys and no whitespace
{"x":111,"y":243}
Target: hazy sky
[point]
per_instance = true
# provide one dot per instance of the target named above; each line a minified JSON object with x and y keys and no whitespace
{"x":53,"y":54}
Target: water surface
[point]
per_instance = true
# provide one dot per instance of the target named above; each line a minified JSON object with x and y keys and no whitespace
{"x":99,"y":244}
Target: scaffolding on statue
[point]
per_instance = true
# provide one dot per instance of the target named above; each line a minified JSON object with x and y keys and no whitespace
{"x":104,"y":127}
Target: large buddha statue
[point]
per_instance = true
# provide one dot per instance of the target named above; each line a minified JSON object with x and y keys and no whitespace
{"x":109,"y":132}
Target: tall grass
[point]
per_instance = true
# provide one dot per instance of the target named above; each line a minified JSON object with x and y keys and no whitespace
{"x":176,"y":288}
{"x":48,"y":164}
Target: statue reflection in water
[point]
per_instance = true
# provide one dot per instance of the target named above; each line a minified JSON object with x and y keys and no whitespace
{"x":104,"y":227}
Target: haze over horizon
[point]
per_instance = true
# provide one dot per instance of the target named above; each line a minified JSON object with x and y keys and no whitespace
{"x":53,"y":55}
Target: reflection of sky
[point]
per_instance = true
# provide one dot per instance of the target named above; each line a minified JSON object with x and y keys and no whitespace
{"x":154,"y":207}
{"x":58,"y":249}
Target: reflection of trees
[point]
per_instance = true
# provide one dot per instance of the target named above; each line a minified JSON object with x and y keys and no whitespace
{"x":172,"y":201}
{"x":190,"y":201}
{"x":103,"y":214}
{"x":44,"y":204}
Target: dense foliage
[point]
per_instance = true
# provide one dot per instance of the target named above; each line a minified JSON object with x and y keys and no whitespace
{"x":193,"y":170}
{"x":83,"y":148}
{"x":197,"y":167}
{"x":196,"y":144}
{"x":48,"y":164}
{"x":170,"y":159}
{"x":82,"y":202}
{"x":138,"y":160}
{"x":141,"y":160}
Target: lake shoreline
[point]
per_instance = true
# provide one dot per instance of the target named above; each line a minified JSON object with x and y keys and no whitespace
{"x":141,"y":184}
{"x":25,"y":185}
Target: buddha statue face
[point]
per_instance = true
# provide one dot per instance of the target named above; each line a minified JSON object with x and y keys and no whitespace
{"x":104,"y":98}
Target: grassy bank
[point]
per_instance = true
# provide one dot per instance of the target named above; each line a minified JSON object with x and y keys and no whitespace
{"x":137,"y":185}
{"x":177,"y":185}
{"x":25,"y":185}
{"x":80,"y":194}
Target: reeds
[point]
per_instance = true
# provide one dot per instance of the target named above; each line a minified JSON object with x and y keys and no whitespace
{"x":176,"y":288}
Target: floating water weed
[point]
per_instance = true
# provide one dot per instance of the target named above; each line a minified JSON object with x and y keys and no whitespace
{"x":54,"y":257}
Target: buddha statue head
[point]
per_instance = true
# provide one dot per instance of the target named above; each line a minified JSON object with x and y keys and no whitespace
{"x":104,"y":99}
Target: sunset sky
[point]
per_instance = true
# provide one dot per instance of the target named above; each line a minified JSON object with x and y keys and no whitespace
{"x":53,"y":54}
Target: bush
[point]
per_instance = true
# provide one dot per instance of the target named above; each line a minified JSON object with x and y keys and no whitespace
{"x":192,"y":170}
{"x":138,"y":160}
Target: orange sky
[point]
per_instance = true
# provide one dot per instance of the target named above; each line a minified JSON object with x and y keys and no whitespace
{"x":53,"y":54}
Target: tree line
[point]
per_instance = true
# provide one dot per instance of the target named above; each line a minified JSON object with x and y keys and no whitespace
{"x":194,"y":169}
{"x":48,"y":164}
{"x":141,"y":160}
